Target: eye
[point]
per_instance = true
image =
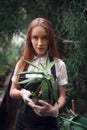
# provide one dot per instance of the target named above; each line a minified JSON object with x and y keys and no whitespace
{"x":44,"y":38}
{"x":34,"y":37}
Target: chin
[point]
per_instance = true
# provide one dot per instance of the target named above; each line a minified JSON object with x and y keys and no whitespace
{"x":40,"y":54}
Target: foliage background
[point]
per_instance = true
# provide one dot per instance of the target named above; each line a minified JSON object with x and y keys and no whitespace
{"x":69,"y":19}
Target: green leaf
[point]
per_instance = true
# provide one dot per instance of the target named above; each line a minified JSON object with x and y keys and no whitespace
{"x":33,"y":80}
{"x":80,"y":119}
{"x":82,"y":123}
{"x":31,"y":72}
{"x":54,"y":87}
{"x":66,"y":125}
{"x":76,"y":127}
{"x":46,"y":77}
{"x":24,"y":81}
{"x":37,"y":90}
{"x":31,"y":64}
{"x":49,"y":66}
{"x":74,"y":124}
{"x":44,"y":88}
{"x":29,"y":81}
{"x":42,"y":66}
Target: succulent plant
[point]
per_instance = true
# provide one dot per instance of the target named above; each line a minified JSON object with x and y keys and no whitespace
{"x":47,"y":90}
{"x":48,"y":87}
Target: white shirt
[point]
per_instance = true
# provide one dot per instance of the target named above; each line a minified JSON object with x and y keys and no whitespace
{"x":60,"y":67}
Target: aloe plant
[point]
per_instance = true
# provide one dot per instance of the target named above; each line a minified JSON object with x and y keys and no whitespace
{"x":70,"y":122}
{"x":75,"y":123}
{"x":48,"y":83}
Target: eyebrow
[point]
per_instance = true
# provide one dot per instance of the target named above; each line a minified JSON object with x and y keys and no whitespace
{"x":42,"y":35}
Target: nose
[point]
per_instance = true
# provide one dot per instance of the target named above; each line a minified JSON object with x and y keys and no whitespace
{"x":40,"y":42}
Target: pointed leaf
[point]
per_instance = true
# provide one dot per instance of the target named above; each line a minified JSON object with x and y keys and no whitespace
{"x":24,"y":81}
{"x":29,"y":81}
{"x":76,"y":127}
{"x":31,"y":64}
{"x":54,"y":87}
{"x":31,"y":72}
{"x":37,"y":90}
{"x":44,"y":87}
{"x":66,"y":125}
{"x":33,"y":80}
{"x":43,"y":67}
{"x":49,"y":66}
{"x":84,"y":127}
{"x":46,"y":77}
{"x":82,"y":123}
{"x":80,"y":119}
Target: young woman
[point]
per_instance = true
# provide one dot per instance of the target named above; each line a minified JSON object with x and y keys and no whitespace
{"x":39,"y":41}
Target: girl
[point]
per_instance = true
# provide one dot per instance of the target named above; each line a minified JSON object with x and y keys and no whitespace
{"x":39,"y":41}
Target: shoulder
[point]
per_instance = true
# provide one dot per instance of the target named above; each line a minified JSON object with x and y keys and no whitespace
{"x":59,"y":62}
{"x":17,"y":65}
{"x":60,"y":66}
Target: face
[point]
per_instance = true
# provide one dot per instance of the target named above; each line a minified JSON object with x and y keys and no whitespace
{"x":39,"y":40}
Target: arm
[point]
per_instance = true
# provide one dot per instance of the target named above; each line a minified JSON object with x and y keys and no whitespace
{"x":15,"y":88}
{"x":62,"y":97}
{"x":15,"y":91}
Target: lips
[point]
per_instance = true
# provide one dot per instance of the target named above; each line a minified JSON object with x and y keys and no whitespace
{"x":40,"y":48}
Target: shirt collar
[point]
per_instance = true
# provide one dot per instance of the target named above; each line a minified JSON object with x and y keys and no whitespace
{"x":42,"y":58}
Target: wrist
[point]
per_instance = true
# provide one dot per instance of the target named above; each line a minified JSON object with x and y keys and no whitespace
{"x":21,"y":92}
{"x":55,"y":113}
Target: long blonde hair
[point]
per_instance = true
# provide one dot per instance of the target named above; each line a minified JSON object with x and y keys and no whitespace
{"x":28,"y":52}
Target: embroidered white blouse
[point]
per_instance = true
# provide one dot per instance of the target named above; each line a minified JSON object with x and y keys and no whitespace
{"x":60,"y":67}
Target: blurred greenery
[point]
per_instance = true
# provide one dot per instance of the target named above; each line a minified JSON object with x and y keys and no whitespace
{"x":69,"y":19}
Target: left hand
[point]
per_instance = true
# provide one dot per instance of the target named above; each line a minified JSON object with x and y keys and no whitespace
{"x":45,"y":109}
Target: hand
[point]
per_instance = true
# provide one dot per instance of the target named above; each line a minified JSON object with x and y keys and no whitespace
{"x":45,"y":109}
{"x":25,"y":94}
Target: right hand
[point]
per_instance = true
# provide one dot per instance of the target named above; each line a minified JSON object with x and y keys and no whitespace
{"x":25,"y":94}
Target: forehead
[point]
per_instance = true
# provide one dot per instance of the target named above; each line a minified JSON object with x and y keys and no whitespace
{"x":39,"y":30}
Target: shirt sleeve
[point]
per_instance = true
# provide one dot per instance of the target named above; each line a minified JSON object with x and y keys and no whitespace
{"x":14,"y":77}
{"x":61,"y":73}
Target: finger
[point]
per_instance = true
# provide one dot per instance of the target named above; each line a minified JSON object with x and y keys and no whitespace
{"x":26,"y":100}
{"x":42,"y":102}
{"x":40,"y":113}
{"x":37,"y":112}
{"x":31,"y":103}
{"x":37,"y":107}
